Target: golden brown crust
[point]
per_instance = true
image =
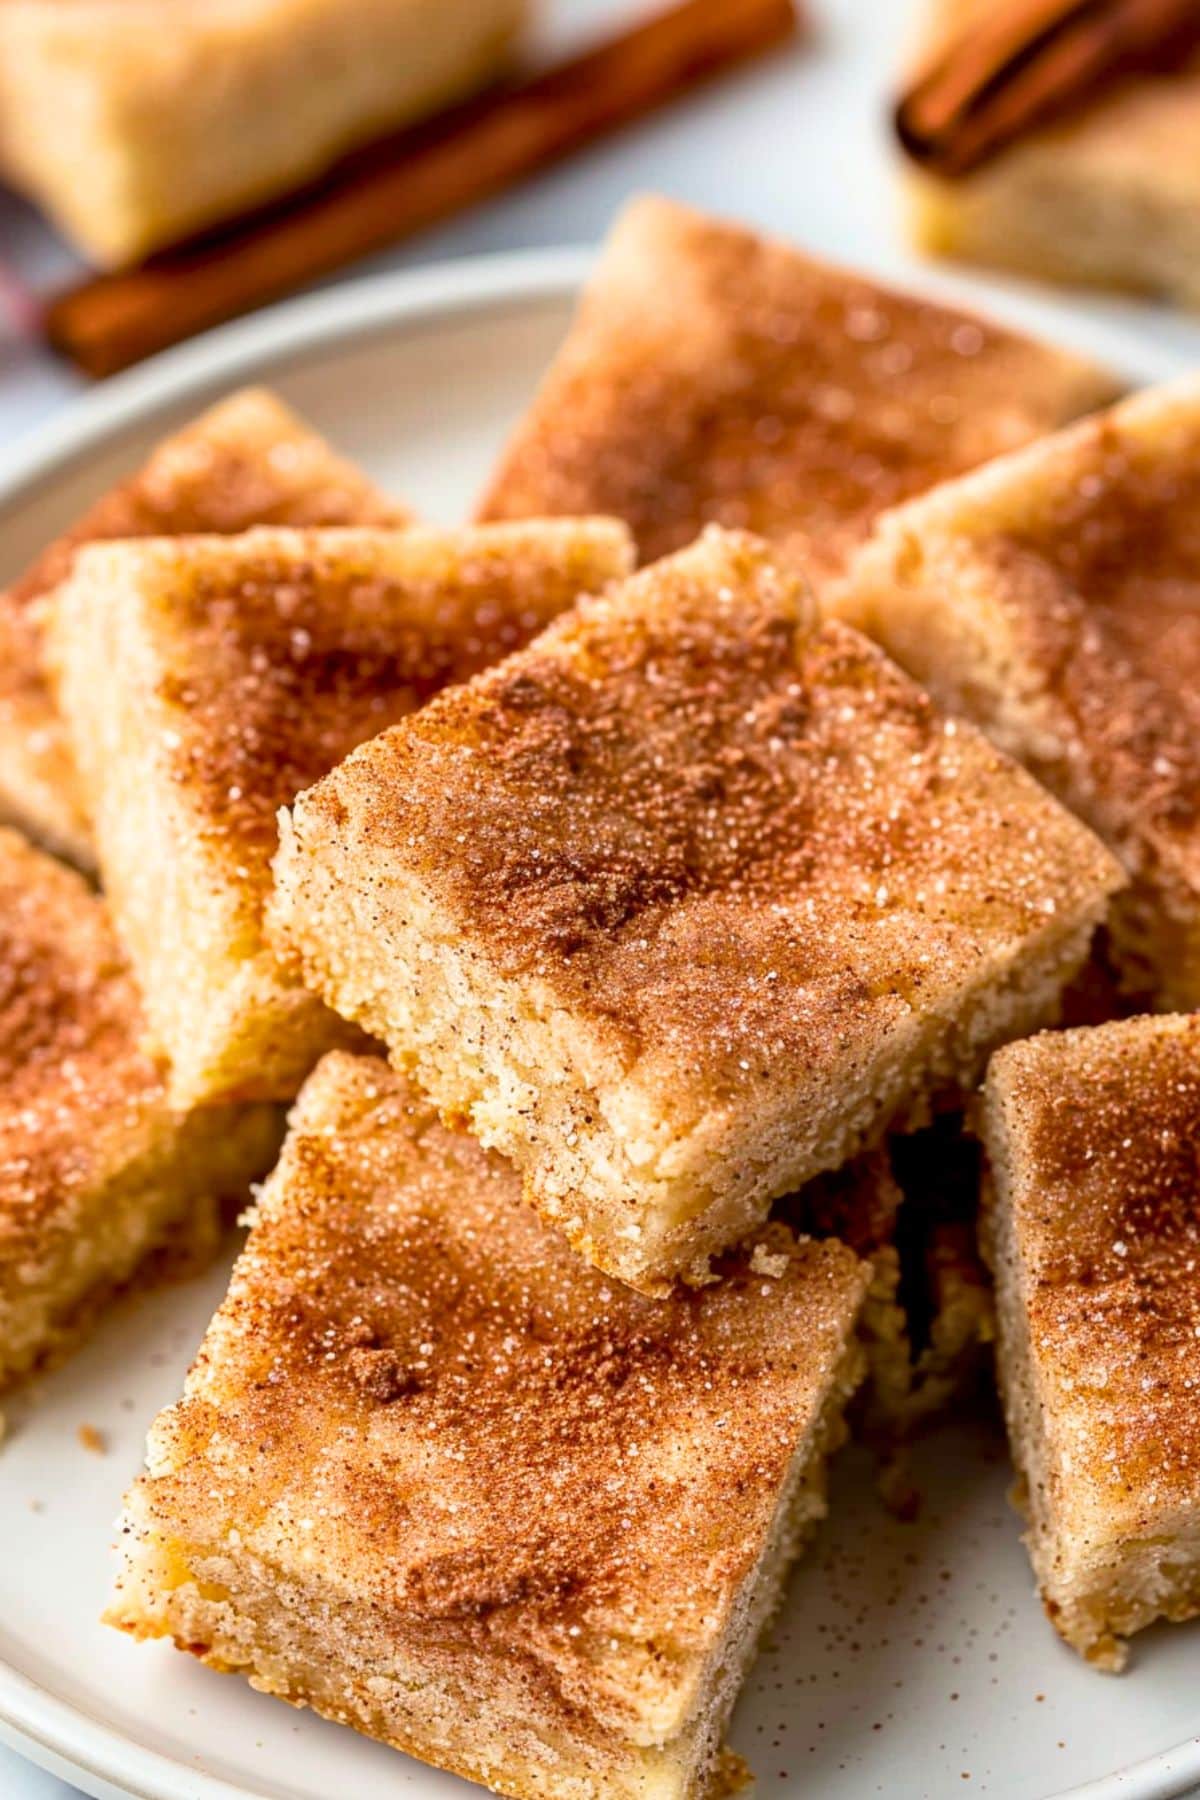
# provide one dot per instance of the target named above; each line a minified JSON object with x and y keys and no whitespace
{"x":274,"y":655}
{"x":686,"y":902}
{"x":96,"y":1172}
{"x":707,"y":823}
{"x":242,"y":669}
{"x":715,"y":376}
{"x":396,"y":1262}
{"x":417,"y":1397}
{"x":1104,"y":587}
{"x":1087,"y":551}
{"x":1098,"y":1130}
{"x":1109,"y":602}
{"x":72,"y":1061}
{"x":247,"y":461}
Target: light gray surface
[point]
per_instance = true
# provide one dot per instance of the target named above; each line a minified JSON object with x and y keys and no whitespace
{"x":19,"y":1780}
{"x":797,"y":144}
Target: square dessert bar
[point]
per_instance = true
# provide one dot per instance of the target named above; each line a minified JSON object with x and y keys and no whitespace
{"x":1093,"y":1227}
{"x":1054,"y":598}
{"x":713,"y":376}
{"x":132,"y":138}
{"x":97,"y":1172}
{"x":1107,"y":193}
{"x":238,"y":670}
{"x":439,"y":1480}
{"x":686,"y":902}
{"x":248,"y":461}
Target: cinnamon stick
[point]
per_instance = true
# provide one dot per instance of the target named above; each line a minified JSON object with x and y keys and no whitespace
{"x":114,"y":320}
{"x":1025,"y":63}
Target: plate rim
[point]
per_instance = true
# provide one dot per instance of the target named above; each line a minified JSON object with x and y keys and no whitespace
{"x":249,"y":350}
{"x":66,"y":1739}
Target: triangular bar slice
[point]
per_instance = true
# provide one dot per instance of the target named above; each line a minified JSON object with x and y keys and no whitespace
{"x":686,"y":902}
{"x":97,"y":1172}
{"x":1093,"y":1227}
{"x":248,"y":461}
{"x":713,"y":376}
{"x":236,"y":671}
{"x":439,"y":1480}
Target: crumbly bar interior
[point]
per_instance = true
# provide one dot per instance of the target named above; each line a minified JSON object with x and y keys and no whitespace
{"x":1101,"y":1575}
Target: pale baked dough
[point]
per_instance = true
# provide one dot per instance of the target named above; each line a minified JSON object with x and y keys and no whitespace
{"x":237,"y":671}
{"x":138,"y":122}
{"x":97,"y":1172}
{"x":247,"y":461}
{"x":439,"y":1480}
{"x":689,"y":900}
{"x":1106,"y":196}
{"x":1093,"y":1225}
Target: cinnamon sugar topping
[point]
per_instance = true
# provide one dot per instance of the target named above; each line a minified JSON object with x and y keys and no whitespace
{"x":709,"y":822}
{"x":716,"y":377}
{"x":1105,"y":1132}
{"x":278,"y":653}
{"x":72,"y":1065}
{"x":416,"y":1390}
{"x":1104,"y":580}
{"x":247,"y":461}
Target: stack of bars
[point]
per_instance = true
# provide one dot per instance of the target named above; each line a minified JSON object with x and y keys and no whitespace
{"x":632,"y":936}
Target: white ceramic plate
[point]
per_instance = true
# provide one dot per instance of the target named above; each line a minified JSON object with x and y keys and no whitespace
{"x":912,"y":1660}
